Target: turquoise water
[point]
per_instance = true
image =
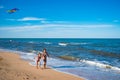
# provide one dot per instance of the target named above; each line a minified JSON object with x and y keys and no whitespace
{"x":93,"y":59}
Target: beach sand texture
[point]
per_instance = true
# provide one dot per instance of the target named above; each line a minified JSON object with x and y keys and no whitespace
{"x":12,"y":67}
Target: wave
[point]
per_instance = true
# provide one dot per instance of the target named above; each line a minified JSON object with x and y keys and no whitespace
{"x":67,"y":58}
{"x":93,"y":63}
{"x":62,"y":44}
{"x":12,"y":51}
{"x":23,"y":55}
{"x":103,"y":53}
{"x":82,"y":43}
{"x":31,"y":42}
{"x":47,"y":43}
{"x":100,"y":52}
{"x":72,"y":43}
{"x":10,"y":40}
{"x":102,"y":65}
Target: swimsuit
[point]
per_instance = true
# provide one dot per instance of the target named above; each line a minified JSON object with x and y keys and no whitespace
{"x":39,"y":58}
{"x":45,"y":57}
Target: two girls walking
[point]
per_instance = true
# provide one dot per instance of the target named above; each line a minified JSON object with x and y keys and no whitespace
{"x":43,"y":56}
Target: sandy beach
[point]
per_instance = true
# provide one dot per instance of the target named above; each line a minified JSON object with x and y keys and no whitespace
{"x":12,"y":67}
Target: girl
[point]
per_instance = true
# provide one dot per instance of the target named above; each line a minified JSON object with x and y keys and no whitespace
{"x":38,"y":60}
{"x":45,"y":55}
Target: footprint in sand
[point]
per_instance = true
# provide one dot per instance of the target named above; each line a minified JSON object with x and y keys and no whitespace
{"x":1,"y":58}
{"x":0,"y":68}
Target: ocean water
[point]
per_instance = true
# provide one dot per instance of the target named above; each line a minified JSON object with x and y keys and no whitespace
{"x":92,"y":59}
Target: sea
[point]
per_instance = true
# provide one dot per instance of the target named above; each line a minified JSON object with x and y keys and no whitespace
{"x":91,"y":59}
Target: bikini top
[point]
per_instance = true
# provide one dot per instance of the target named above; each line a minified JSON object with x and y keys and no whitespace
{"x":39,"y":57}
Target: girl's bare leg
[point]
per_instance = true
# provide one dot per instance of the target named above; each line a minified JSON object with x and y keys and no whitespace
{"x":44,"y":65}
{"x":37,"y":65}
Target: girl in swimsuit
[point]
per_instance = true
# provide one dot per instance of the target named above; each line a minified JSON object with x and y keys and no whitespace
{"x":38,"y":60}
{"x":44,"y":55}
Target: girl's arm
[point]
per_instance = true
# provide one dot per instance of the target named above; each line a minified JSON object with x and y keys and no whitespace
{"x":47,"y":54}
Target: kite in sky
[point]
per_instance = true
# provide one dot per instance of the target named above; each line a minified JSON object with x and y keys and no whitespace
{"x":12,"y":10}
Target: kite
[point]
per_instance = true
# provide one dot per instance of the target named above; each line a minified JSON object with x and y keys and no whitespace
{"x":12,"y":10}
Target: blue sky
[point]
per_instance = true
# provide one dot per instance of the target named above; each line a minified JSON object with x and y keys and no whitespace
{"x":60,"y":19}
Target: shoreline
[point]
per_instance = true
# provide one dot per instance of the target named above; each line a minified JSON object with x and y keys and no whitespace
{"x":15,"y":68}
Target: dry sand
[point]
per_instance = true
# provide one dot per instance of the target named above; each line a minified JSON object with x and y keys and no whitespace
{"x":12,"y":67}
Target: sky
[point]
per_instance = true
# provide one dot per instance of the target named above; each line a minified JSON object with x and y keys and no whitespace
{"x":60,"y":19}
